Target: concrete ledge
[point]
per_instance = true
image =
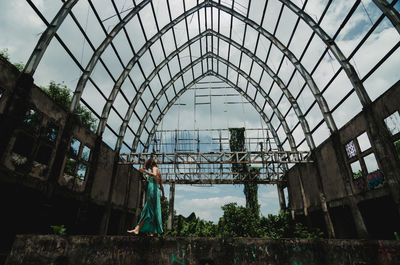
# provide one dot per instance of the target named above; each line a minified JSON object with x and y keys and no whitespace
{"x":101,"y":250}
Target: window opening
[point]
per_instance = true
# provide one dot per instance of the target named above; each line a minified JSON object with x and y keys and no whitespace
{"x":351,"y":149}
{"x":76,"y":165}
{"x":33,"y":120}
{"x":393,"y":123}
{"x":363,"y":142}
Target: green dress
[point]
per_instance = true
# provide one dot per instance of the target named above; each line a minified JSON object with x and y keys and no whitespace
{"x":152,"y":210}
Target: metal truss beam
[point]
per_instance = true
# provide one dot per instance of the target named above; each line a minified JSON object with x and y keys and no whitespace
{"x":47,"y":36}
{"x":214,"y":179}
{"x":198,"y":158}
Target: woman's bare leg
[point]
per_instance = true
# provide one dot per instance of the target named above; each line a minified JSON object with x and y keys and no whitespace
{"x":137,"y":228}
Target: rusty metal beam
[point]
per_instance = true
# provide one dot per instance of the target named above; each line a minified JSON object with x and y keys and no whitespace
{"x":196,"y":158}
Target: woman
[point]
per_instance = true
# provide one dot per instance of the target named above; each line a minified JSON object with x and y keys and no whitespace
{"x":150,"y":221}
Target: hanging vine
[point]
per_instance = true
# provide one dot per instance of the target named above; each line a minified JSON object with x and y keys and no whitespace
{"x":236,"y":144}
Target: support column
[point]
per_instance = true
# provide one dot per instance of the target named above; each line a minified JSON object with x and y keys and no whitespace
{"x":281,"y":195}
{"x":328,"y":221}
{"x":361,"y":229}
{"x":107,"y":210}
{"x":171,"y":206}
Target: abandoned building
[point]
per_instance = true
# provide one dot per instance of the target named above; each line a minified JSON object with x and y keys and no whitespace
{"x":321,"y":75}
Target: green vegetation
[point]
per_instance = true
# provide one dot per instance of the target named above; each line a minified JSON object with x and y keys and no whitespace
{"x":59,"y":230}
{"x":4,"y":54}
{"x":237,"y":143}
{"x":357,"y":174}
{"x":239,"y":221}
{"x":62,"y":96}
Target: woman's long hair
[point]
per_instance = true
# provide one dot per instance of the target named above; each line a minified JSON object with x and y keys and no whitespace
{"x":150,"y":163}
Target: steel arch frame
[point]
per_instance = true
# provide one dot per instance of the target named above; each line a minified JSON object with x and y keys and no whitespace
{"x":265,"y":67}
{"x":47,"y":36}
{"x":99,"y":51}
{"x":194,"y":81}
{"x":297,"y":64}
{"x":49,"y":33}
{"x":200,"y":59}
{"x":331,"y":44}
{"x":390,"y":12}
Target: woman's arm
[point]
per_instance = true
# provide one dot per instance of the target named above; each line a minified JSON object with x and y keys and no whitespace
{"x":163,"y":198}
{"x":144,"y":171}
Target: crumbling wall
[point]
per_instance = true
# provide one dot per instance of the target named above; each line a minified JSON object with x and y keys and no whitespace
{"x":88,"y":250}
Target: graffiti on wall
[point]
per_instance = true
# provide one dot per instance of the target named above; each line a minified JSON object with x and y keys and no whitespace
{"x":122,"y":256}
{"x":360,"y":183}
{"x":375,"y":179}
{"x":178,"y":259}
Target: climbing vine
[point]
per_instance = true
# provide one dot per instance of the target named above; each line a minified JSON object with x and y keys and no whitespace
{"x":237,"y":143}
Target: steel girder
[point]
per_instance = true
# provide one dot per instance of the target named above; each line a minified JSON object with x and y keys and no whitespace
{"x":231,"y":157}
{"x":99,"y":51}
{"x":307,"y":77}
{"x":47,"y":36}
{"x":390,"y":12}
{"x":239,"y":71}
{"x":285,"y":90}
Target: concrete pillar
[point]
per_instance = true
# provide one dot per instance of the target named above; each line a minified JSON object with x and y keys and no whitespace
{"x":328,"y":221}
{"x":361,"y":229}
{"x":359,"y":223}
{"x":281,"y":195}
{"x":107,"y":211}
{"x":171,"y":206}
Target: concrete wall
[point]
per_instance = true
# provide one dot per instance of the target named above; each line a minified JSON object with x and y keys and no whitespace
{"x":104,"y":170}
{"x":52,"y":196}
{"x":85,"y":250}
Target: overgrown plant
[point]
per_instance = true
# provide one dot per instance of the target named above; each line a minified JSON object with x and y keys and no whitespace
{"x":4,"y":54}
{"x":59,"y":230}
{"x":237,"y":144}
{"x":62,"y":96}
{"x":240,"y":221}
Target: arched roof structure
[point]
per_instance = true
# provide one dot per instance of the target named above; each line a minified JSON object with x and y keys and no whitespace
{"x":257,"y":46}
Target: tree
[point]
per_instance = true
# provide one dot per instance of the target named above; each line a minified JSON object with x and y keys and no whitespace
{"x":62,"y":96}
{"x":238,"y":221}
{"x":4,"y":54}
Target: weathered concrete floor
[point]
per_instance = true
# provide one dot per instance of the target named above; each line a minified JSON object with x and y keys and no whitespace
{"x":101,"y":250}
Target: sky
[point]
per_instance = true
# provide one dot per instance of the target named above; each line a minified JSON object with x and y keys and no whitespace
{"x":22,"y":29}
